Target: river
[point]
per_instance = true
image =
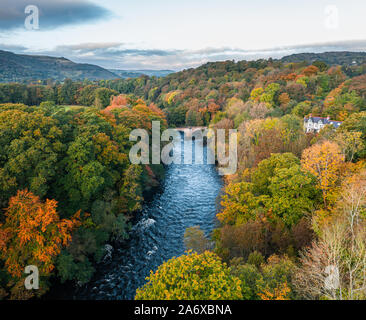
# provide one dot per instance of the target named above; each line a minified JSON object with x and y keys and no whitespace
{"x":188,"y":197}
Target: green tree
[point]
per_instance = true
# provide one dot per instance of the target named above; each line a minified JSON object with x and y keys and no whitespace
{"x":293,"y":194}
{"x":103,"y":97}
{"x":356,"y":123}
{"x":67,"y":92}
{"x":86,"y":95}
{"x":261,"y":177}
{"x":31,"y":144}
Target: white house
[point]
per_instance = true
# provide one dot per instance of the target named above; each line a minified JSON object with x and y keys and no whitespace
{"x":315,"y":124}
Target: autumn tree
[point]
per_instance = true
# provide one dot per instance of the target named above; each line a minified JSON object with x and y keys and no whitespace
{"x":271,"y":280}
{"x":284,"y":100}
{"x":334,"y":266}
{"x":302,"y":109}
{"x":238,"y":204}
{"x":278,"y":185}
{"x":256,"y":94}
{"x":350,"y":143}
{"x":191,"y":277}
{"x":256,"y":110}
{"x":310,"y":70}
{"x":33,"y":234}
{"x":213,"y":108}
{"x":194,"y":239}
{"x":356,"y":123}
{"x":325,"y":162}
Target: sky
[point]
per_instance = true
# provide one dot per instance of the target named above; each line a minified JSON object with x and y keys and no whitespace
{"x":175,"y":35}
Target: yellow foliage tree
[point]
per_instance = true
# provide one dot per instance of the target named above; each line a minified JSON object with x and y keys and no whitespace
{"x":325,"y":161}
{"x":192,"y":277}
{"x":279,"y":293}
{"x":256,"y":94}
{"x":238,"y":201}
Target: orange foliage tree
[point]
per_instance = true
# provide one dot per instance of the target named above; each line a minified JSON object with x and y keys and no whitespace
{"x":33,"y":233}
{"x":325,"y":161}
{"x":284,"y":99}
{"x":213,"y":108}
{"x":133,"y":115}
{"x":279,"y":293}
{"x":310,"y":71}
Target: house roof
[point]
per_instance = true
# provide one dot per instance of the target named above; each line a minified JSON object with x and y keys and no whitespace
{"x":323,"y":120}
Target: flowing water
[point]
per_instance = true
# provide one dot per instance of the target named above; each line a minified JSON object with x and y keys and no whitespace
{"x":188,"y":197}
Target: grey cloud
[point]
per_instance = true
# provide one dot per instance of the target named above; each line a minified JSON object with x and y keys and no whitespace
{"x":10,"y":47}
{"x":182,"y":59}
{"x":90,"y":46}
{"x":339,"y":45}
{"x":123,"y":56}
{"x":53,"y":13}
{"x":139,"y":52}
{"x":110,"y":49}
{"x":350,"y":45}
{"x":279,"y":52}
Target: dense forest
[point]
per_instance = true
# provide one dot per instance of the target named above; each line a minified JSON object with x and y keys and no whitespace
{"x":294,"y":210}
{"x":77,"y":157}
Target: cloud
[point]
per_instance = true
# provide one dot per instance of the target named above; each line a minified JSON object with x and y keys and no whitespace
{"x":349,"y":45}
{"x":110,"y":49}
{"x":11,"y":47}
{"x":130,"y":58}
{"x":89,"y":46}
{"x":115,"y":55}
{"x":52,"y":13}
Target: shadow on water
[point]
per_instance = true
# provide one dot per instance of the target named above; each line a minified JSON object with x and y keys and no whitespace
{"x":187,"y":198}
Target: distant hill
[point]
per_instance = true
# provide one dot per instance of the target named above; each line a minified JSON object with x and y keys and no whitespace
{"x":23,"y":68}
{"x":138,"y":73}
{"x":20,"y":68}
{"x":331,"y":58}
